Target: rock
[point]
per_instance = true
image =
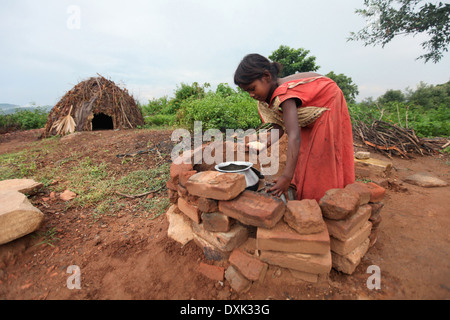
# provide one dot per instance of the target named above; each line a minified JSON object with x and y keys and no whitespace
{"x":25,"y":186}
{"x":362,"y":155}
{"x":18,"y":217}
{"x":426,"y":180}
{"x":67,"y":195}
{"x":180,"y":228}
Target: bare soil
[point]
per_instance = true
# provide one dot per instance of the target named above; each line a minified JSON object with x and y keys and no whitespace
{"x":126,"y":256}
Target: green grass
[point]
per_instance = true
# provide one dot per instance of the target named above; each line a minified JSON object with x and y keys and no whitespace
{"x":48,"y":237}
{"x":93,"y":182}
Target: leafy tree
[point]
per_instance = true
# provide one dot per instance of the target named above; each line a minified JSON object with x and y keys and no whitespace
{"x":387,"y":19}
{"x":346,"y":84}
{"x":294,"y":60}
{"x":430,"y":96}
{"x":392,"y":95}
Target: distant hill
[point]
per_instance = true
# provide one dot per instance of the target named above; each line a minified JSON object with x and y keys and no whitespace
{"x":7,"y":108}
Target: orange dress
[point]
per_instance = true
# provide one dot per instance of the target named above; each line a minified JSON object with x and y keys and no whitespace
{"x":326,"y":153}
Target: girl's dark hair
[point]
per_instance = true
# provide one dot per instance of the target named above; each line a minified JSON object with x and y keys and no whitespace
{"x":253,"y":67}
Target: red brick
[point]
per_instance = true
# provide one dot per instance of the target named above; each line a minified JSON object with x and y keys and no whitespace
{"x":285,"y":239}
{"x":255,"y":209}
{"x":350,"y":244}
{"x":172,"y":184}
{"x":173,"y":196}
{"x":189,"y":210}
{"x":304,"y":216}
{"x":216,"y":185}
{"x":250,"y":267}
{"x":377,"y":192}
{"x":376,"y":208}
{"x":182,"y":192}
{"x":211,"y":272}
{"x":344,"y":229}
{"x":363,"y":191}
{"x":184,"y":176}
{"x":311,"y":263}
{"x":216,"y":222}
{"x":208,"y":205}
{"x":176,"y":169}
{"x":339,"y":204}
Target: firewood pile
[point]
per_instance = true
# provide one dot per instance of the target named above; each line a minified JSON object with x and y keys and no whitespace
{"x":392,"y":139}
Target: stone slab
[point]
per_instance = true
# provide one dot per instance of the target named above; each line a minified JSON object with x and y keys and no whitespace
{"x":25,"y":186}
{"x":425,"y":180}
{"x":180,"y":227}
{"x":18,"y":217}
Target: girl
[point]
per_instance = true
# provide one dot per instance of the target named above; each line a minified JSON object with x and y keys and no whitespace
{"x":311,"y":109}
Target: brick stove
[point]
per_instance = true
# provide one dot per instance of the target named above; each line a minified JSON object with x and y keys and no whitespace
{"x":248,"y":231}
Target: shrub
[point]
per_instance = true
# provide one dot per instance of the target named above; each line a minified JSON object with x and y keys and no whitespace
{"x":223,"y":109}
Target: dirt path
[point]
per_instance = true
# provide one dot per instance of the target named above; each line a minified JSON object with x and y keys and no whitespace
{"x":126,"y":256}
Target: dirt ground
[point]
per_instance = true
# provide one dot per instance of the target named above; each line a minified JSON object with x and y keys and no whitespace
{"x":129,"y":257}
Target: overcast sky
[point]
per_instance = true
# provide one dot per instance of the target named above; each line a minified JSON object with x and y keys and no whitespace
{"x":150,"y":47}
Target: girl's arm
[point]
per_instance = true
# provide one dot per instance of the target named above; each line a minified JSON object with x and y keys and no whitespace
{"x":290,"y":118}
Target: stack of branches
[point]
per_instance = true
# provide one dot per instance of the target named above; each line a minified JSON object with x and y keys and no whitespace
{"x":390,"y":139}
{"x":93,"y":96}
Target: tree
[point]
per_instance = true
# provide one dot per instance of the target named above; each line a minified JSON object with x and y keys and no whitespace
{"x":349,"y":89}
{"x":392,"y":96}
{"x":294,"y":60}
{"x":387,"y":19}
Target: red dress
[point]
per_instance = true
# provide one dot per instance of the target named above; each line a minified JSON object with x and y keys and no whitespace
{"x":326,"y":153}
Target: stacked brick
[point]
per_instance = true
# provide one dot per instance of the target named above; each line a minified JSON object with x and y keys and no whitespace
{"x":352,"y":216}
{"x":225,"y":217}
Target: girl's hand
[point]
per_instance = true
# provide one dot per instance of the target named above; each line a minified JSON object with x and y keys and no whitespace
{"x":281,"y":186}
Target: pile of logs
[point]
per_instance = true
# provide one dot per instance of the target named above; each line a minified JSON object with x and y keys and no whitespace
{"x":391,"y":139}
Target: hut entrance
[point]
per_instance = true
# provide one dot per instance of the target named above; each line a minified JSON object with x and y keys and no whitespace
{"x":102,"y":122}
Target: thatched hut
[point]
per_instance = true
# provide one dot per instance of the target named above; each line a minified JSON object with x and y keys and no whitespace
{"x":94,"y":104}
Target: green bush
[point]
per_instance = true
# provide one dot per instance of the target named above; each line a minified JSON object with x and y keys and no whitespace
{"x":23,"y":120}
{"x":223,"y":109}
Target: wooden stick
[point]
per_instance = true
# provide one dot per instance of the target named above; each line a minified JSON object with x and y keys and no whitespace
{"x":138,"y":195}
